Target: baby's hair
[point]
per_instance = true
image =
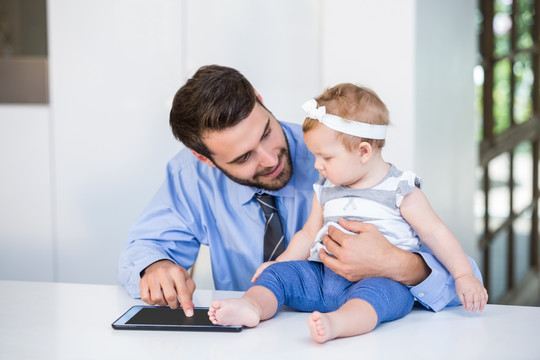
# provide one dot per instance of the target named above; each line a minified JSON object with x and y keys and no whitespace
{"x":356,"y":103}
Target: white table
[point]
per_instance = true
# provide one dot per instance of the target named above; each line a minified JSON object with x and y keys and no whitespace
{"x":73,"y":321}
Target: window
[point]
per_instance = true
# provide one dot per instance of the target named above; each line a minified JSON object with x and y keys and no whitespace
{"x":23,"y":52}
{"x":508,"y":96}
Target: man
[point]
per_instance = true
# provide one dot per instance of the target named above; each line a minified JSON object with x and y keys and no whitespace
{"x":235,"y":150}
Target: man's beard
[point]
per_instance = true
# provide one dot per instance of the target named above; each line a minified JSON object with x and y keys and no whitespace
{"x":259,"y":181}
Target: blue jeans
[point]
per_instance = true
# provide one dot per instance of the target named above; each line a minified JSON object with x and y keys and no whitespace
{"x":311,"y":286}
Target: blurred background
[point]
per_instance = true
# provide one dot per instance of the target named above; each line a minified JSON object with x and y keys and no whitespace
{"x":86,"y":88}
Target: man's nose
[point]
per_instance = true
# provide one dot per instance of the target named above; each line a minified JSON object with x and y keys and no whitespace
{"x":267,"y":157}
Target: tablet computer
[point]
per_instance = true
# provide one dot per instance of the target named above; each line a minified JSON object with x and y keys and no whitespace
{"x":164,"y":318}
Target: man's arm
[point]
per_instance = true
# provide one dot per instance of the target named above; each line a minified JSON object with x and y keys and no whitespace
{"x":438,"y":291}
{"x":369,"y":254}
{"x":162,"y":244}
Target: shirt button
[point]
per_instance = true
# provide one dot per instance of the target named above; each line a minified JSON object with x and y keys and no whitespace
{"x":421,"y":295}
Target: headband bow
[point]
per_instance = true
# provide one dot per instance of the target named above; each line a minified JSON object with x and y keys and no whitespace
{"x":313,"y":111}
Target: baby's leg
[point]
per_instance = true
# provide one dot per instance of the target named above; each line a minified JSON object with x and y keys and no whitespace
{"x":355,"y":317}
{"x":368,"y":302}
{"x":257,"y":304}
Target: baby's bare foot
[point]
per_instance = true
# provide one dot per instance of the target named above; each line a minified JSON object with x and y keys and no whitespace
{"x":234,"y":312}
{"x":320,"y":327}
{"x":212,"y":314}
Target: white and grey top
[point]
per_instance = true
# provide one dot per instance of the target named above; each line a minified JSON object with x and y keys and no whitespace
{"x":378,"y":205}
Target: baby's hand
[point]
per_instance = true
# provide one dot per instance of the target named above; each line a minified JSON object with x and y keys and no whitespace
{"x":260,"y":270}
{"x":472,"y":294}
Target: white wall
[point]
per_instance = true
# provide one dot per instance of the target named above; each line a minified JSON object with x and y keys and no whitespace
{"x":26,"y":242}
{"x":275,"y":44}
{"x":372,"y":43}
{"x":115,"y":65}
{"x":419,"y":57}
{"x":445,"y":147}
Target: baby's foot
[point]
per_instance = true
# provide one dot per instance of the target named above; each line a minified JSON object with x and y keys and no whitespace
{"x":320,"y":327}
{"x":234,"y":312}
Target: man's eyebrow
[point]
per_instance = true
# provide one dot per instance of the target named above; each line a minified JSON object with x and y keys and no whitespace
{"x":238,"y":158}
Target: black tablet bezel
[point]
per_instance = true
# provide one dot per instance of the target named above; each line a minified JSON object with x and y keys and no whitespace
{"x":122,"y":322}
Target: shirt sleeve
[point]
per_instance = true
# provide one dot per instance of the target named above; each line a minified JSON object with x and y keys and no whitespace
{"x":438,"y":291}
{"x":166,"y":230}
{"x":318,"y":187}
{"x":407,"y":182}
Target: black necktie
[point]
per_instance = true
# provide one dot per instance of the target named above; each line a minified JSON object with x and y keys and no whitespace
{"x":273,"y":232}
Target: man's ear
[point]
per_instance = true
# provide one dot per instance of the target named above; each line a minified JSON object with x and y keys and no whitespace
{"x":258,"y":96}
{"x":202,"y":158}
{"x":365,"y":150}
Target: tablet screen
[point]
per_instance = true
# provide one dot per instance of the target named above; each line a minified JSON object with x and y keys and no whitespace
{"x":165,"y":318}
{"x":168,"y":316}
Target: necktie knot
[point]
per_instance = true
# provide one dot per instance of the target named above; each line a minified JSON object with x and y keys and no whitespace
{"x":267,"y":203}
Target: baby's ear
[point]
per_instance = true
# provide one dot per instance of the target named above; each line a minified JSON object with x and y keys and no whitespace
{"x":365,"y":150}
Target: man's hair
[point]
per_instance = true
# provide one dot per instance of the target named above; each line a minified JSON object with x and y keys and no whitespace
{"x":356,"y":103}
{"x":214,"y":99}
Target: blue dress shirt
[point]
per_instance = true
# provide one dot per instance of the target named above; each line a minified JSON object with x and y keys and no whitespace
{"x":198,"y":204}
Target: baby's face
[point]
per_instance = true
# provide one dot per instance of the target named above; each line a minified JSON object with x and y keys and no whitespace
{"x":332,"y":159}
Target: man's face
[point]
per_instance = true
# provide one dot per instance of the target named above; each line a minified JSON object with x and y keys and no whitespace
{"x":254,"y":153}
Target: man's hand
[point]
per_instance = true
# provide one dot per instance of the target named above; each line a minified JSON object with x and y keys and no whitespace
{"x":164,"y":282}
{"x":369,"y":254}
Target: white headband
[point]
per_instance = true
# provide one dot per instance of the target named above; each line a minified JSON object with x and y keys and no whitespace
{"x":355,"y":128}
